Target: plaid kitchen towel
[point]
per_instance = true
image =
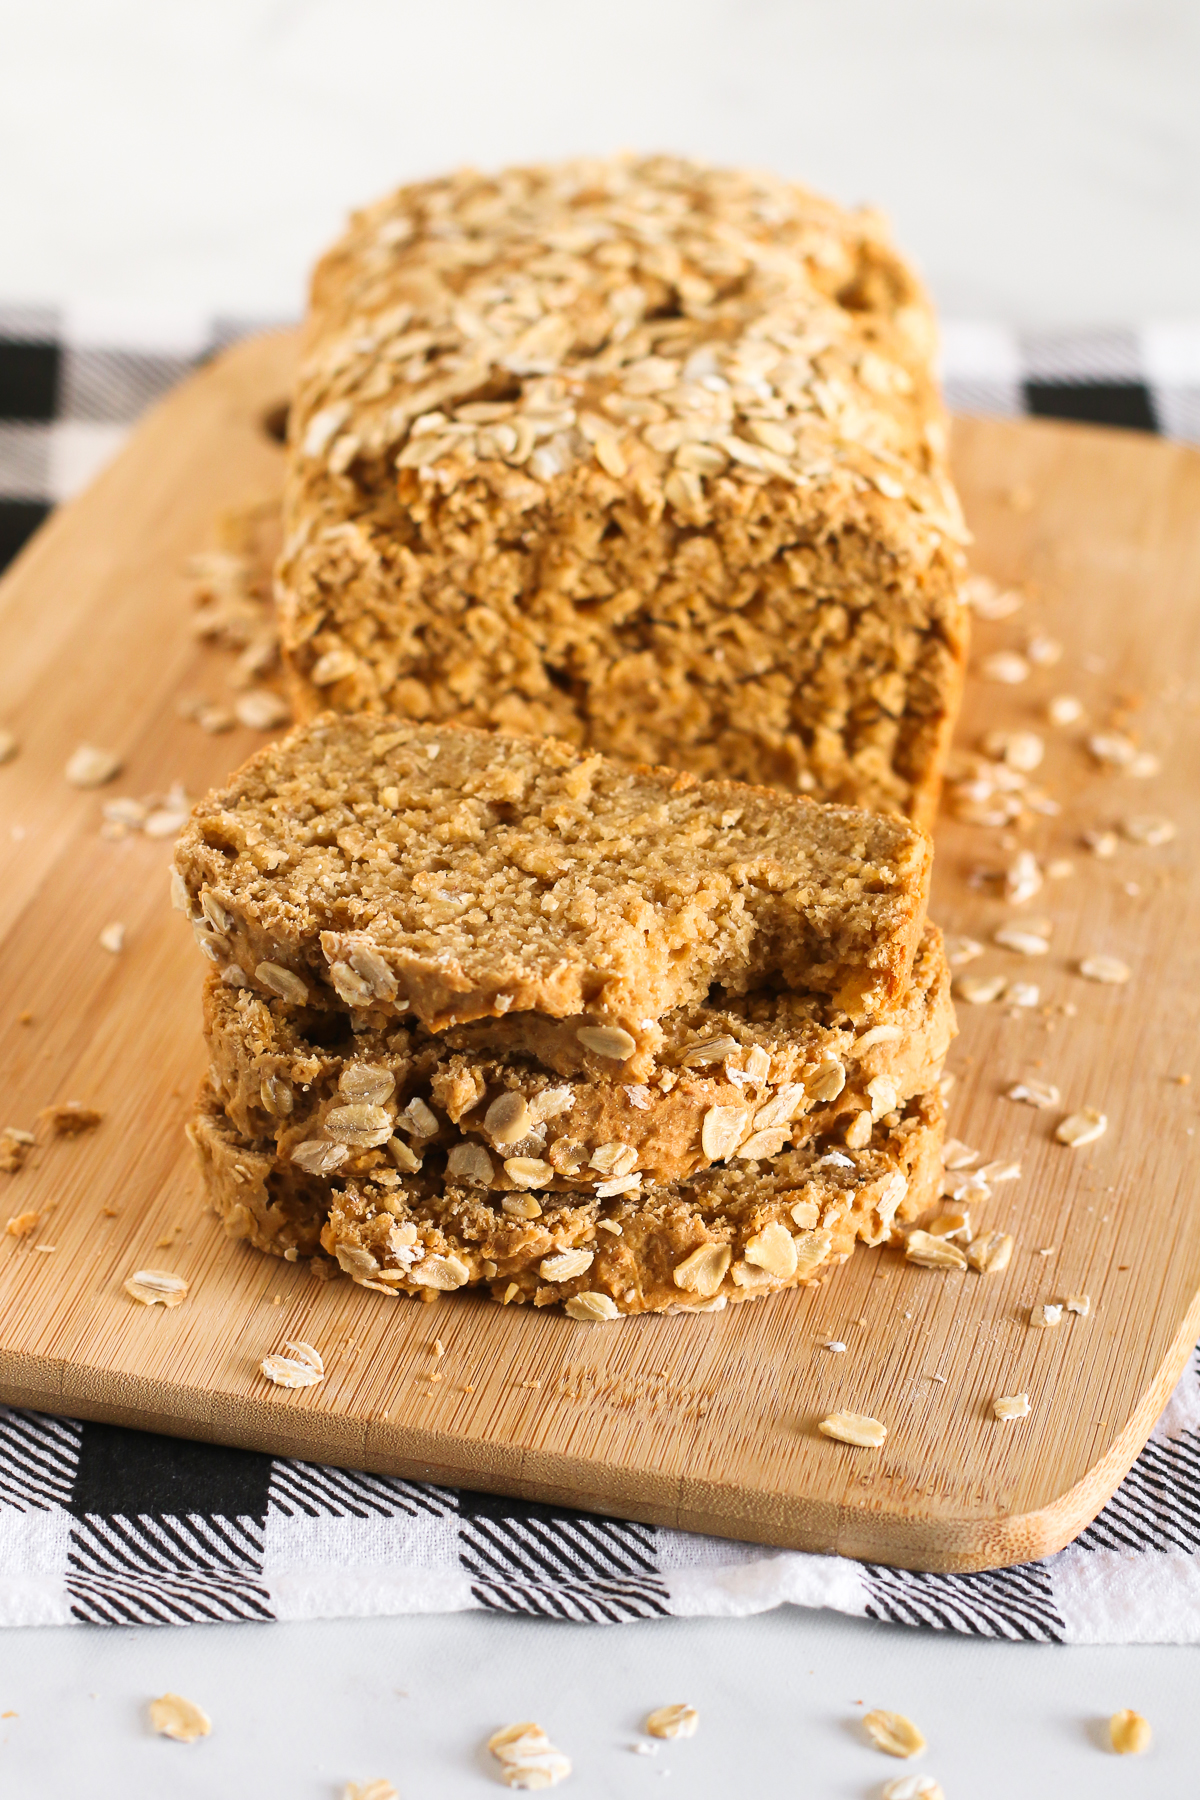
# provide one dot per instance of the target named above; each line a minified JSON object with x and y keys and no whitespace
{"x":107,"y":1526}
{"x":71,"y":385}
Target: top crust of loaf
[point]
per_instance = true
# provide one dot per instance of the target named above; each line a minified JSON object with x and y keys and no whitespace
{"x":533,"y":404}
{"x":465,"y":874}
{"x":566,"y":271}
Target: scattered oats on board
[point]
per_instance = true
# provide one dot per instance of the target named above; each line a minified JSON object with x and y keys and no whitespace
{"x":1081,"y":1128}
{"x":261,"y":710}
{"x":989,"y":601}
{"x":954,"y":1222}
{"x":1005,"y":667}
{"x":1108,"y":969}
{"x":980,"y":990}
{"x":527,"y":1757}
{"x":990,"y":1253}
{"x":930,"y":1252}
{"x":893,"y":1733}
{"x":112,"y":938}
{"x":1035,"y":1093}
{"x":302,"y":1368}
{"x":858,"y":1429}
{"x":1100,"y":843}
{"x":1112,"y":748}
{"x":1149,"y":828}
{"x":1129,"y":1734}
{"x":165,"y":821}
{"x":23,"y":1225}
{"x":1011,"y":1406}
{"x":1064,"y":709}
{"x":157,"y":1287}
{"x":369,"y":1790}
{"x":1021,"y":750}
{"x":1022,"y":878}
{"x":957,"y":1155}
{"x":1023,"y":993}
{"x":15,"y":1146}
{"x":1043,"y":650}
{"x":960,"y":950}
{"x":1080,"y":1304}
{"x":89,"y":767}
{"x":912,"y":1787}
{"x":1022,"y":939}
{"x":1046,"y":1316}
{"x":673,"y":1722}
{"x":174,"y":1717}
{"x":1000,"y":1170}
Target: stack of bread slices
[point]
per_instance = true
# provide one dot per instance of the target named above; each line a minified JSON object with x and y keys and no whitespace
{"x":487,"y":1009}
{"x":618,"y":536}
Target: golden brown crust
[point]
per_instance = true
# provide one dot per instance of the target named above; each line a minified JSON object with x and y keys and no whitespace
{"x":642,"y":454}
{"x":457,"y":875}
{"x":727,"y":1234}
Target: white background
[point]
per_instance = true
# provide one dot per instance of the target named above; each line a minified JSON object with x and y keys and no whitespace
{"x":164,"y":159}
{"x":1040,"y":157}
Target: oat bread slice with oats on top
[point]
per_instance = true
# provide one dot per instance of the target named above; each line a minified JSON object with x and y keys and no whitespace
{"x":726,"y":1234}
{"x":455,"y":874}
{"x":643,"y":454}
{"x":737,"y":1081}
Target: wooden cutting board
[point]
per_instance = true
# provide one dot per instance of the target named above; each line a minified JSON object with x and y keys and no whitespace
{"x":704,"y":1423}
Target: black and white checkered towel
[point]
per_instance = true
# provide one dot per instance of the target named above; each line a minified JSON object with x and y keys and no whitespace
{"x":108,"y":1526}
{"x":72,"y":383}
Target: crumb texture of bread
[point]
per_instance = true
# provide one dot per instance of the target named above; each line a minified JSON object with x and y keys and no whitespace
{"x":725,"y":1235}
{"x":387,"y":867}
{"x":740,"y":1082}
{"x":640,"y":453}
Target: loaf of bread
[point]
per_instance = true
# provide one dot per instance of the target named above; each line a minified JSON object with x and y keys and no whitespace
{"x":642,"y":454}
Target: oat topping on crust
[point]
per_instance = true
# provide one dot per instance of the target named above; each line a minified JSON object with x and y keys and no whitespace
{"x":640,"y":453}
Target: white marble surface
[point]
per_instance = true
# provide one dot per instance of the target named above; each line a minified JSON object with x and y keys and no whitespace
{"x":165,"y":161}
{"x":1038,"y":156}
{"x":298,"y":1710}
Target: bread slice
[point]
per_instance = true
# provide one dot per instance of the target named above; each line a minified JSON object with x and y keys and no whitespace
{"x":454,"y":875}
{"x":642,"y":454}
{"x":729,"y":1233}
{"x":738,"y":1081}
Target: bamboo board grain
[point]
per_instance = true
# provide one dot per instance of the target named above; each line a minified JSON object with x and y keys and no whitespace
{"x":704,"y":1423}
